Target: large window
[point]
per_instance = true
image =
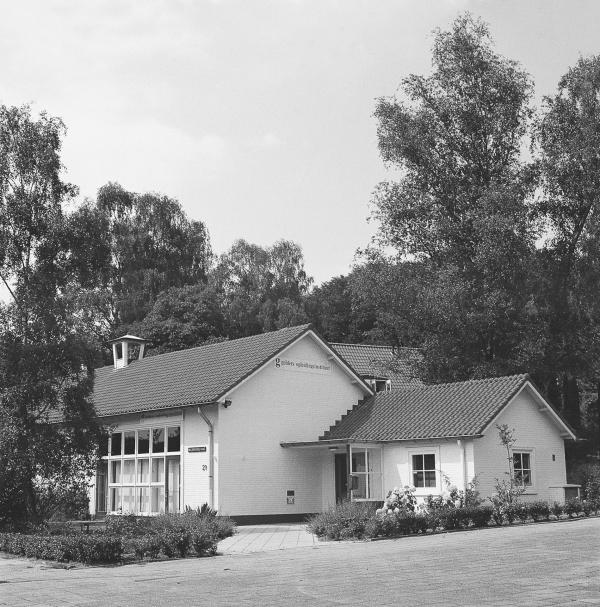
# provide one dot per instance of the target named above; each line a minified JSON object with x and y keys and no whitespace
{"x":424,"y":470}
{"x":141,"y":474}
{"x":522,"y":468}
{"x":366,"y":473}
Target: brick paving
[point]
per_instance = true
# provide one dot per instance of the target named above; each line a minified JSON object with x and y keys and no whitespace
{"x":537,"y":565}
{"x":258,"y":538}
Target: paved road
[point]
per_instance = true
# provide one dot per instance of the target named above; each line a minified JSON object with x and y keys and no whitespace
{"x":543,"y":564}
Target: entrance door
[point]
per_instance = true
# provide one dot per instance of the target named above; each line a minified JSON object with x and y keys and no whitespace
{"x":341,"y":477}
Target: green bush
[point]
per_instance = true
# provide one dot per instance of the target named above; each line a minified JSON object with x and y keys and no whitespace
{"x":557,"y":509}
{"x":523,"y":511}
{"x":129,"y":525}
{"x":572,"y":507}
{"x":347,"y":519}
{"x":539,"y":511}
{"x":90,"y":549}
{"x":479,"y":516}
{"x":174,"y":534}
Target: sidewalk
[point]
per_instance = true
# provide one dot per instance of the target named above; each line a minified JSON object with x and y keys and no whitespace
{"x":539,"y":565}
{"x":259,"y":538}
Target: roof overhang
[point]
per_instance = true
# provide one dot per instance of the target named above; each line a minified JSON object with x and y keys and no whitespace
{"x":331,"y":355}
{"x":543,"y":407}
{"x":351,"y":441}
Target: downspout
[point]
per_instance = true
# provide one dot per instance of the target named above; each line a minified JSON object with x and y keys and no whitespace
{"x":211,"y":465}
{"x":463,"y":463}
{"x":349,"y":472}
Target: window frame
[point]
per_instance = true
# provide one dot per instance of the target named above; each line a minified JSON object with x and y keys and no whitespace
{"x":425,"y":450}
{"x":531,"y":453}
{"x":373,"y":479}
{"x":167,"y":457}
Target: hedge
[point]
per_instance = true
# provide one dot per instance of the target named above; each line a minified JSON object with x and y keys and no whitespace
{"x":355,"y":520}
{"x":127,"y":536}
{"x":90,"y":549}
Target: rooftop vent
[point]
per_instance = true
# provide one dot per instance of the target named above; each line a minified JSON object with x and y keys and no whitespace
{"x":124,"y":350}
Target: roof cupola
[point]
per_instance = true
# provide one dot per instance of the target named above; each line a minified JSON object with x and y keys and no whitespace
{"x":125,"y":349}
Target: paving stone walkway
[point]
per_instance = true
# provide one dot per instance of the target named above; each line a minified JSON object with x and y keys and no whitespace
{"x":534,"y":565}
{"x":258,"y":538}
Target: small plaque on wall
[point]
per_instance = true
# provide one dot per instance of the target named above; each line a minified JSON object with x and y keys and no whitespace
{"x":197,"y":449}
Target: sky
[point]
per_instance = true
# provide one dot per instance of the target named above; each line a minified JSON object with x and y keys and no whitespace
{"x":257,"y":115}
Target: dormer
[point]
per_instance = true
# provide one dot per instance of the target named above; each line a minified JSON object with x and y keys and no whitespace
{"x":125,"y":349}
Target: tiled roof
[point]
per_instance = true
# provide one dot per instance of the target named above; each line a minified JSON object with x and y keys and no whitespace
{"x":437,"y":411}
{"x":382,"y":361}
{"x":193,"y":376}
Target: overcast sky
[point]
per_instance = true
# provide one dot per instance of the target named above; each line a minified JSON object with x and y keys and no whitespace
{"x":256,"y":115}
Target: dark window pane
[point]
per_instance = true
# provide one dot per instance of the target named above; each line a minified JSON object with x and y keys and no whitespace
{"x":173,"y":440}
{"x":526,"y":477}
{"x":129,"y":443}
{"x":429,"y":461}
{"x":525,"y":459}
{"x":418,"y":479}
{"x":102,"y":486}
{"x":158,"y":440}
{"x":517,"y":460}
{"x":417,"y":462}
{"x":103,"y":446}
{"x":430,"y":479}
{"x":143,"y":441}
{"x":115,"y":443}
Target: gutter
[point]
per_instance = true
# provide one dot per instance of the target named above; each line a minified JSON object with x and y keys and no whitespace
{"x":211,"y":464}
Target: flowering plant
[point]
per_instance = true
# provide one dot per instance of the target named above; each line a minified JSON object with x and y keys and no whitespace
{"x":399,"y":500}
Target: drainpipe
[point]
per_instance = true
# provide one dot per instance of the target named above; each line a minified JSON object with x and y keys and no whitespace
{"x":463,"y":462}
{"x":349,"y":472}
{"x":211,"y":466}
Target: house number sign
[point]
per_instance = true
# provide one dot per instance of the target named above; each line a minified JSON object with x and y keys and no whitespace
{"x":196,"y":449}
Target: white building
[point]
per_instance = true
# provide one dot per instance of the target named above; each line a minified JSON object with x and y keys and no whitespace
{"x":279,"y":425}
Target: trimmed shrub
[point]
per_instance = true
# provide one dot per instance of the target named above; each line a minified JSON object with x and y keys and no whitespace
{"x":173,"y":535}
{"x":523,"y":512}
{"x":557,"y":509}
{"x":129,"y":525}
{"x":539,"y":511}
{"x":572,"y":507}
{"x":480,"y":516}
{"x":342,"y":521}
{"x":90,"y":549}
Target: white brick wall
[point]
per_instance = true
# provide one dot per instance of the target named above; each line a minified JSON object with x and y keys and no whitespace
{"x":273,"y":406}
{"x":195,"y":434}
{"x":397,"y":464}
{"x":533,"y":430}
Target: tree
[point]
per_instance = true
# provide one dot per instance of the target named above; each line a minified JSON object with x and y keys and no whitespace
{"x":261,"y":289}
{"x":458,"y":217}
{"x":456,"y":136}
{"x":46,"y":370}
{"x":131,"y":247}
{"x":567,"y":138}
{"x":182,"y":317}
{"x":329,"y":308}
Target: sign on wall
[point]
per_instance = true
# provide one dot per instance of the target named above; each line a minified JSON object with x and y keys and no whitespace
{"x":303,"y":366}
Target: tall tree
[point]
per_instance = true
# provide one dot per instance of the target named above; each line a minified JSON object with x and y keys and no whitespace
{"x":460,"y":207}
{"x":455,"y":135}
{"x":46,"y":370}
{"x":567,"y":137}
{"x":261,"y":289}
{"x":131,"y":247}
{"x":182,"y":317}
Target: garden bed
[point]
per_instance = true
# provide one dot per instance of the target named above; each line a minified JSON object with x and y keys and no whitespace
{"x":360,"y":521}
{"x":126,"y":538}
